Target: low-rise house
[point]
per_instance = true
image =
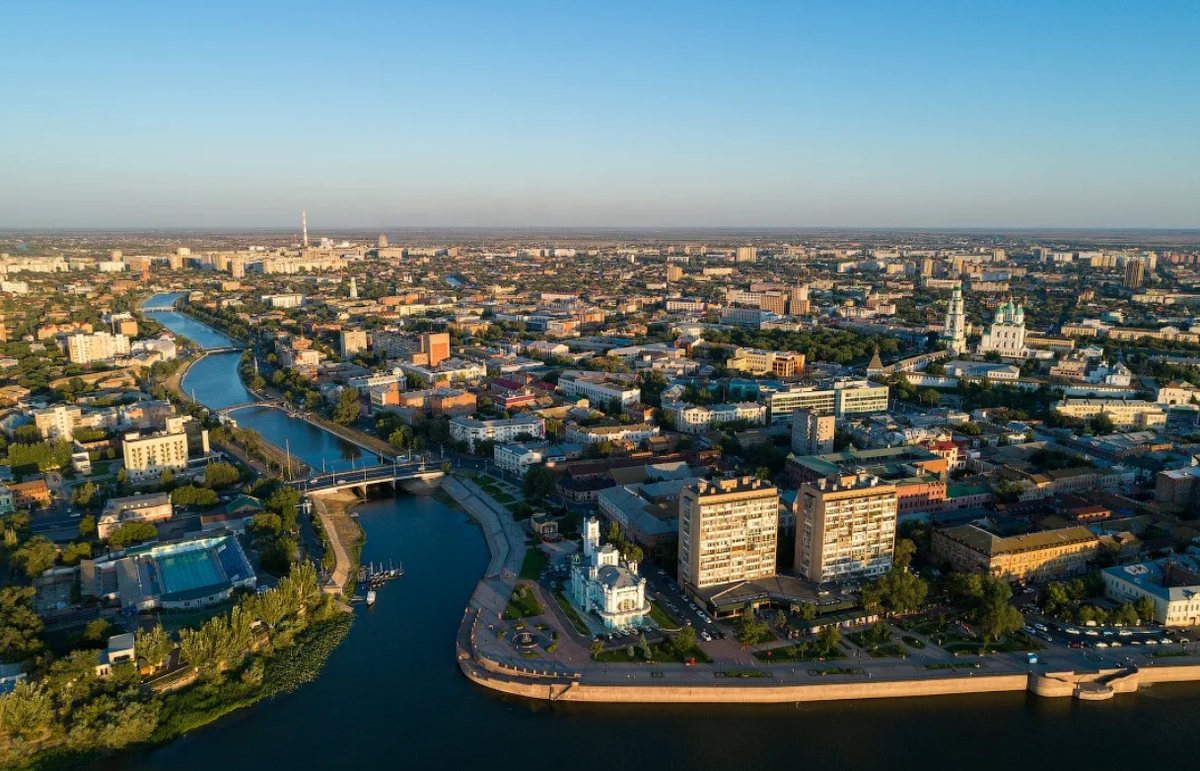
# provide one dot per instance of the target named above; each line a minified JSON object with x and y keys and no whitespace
{"x":152,"y":509}
{"x":1172,"y":584}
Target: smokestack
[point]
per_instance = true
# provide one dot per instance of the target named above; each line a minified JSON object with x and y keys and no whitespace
{"x":304,"y":227}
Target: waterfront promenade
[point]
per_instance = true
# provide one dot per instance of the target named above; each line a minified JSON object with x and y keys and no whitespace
{"x":487,"y":655}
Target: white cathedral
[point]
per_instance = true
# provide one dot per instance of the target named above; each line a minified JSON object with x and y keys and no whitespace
{"x":600,"y":584}
{"x":1007,"y":333}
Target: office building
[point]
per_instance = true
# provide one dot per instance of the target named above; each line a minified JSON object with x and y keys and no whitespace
{"x":153,"y":509}
{"x":148,"y":455}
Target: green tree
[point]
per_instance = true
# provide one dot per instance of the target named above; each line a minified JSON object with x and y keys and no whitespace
{"x":903,"y":553}
{"x":35,"y":556}
{"x":596,"y":648}
{"x":750,"y":630}
{"x":221,"y":475}
{"x":898,"y":592}
{"x":401,"y":438}
{"x":1054,"y":598}
{"x":20,"y":626}
{"x":26,"y":711}
{"x":993,"y":613}
{"x":153,"y":646}
{"x":83,"y":495}
{"x":684,"y":641}
{"x":1145,"y":609}
{"x":347,"y":409}
{"x":87,"y":526}
{"x":131,"y":533}
{"x":828,"y":639}
{"x":929,"y":397}
{"x":539,"y":482}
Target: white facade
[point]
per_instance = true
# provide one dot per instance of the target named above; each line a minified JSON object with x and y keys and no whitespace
{"x":954,"y":329}
{"x":1007,"y":333}
{"x":697,"y":419}
{"x":600,"y":584}
{"x":96,"y":347}
{"x":517,"y":458}
{"x":472,"y":431}
{"x":598,"y":392}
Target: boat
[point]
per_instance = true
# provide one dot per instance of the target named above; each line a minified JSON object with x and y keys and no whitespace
{"x":370,"y":597}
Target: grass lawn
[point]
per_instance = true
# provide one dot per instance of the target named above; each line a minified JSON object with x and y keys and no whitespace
{"x":1014,"y":643}
{"x":658,"y":652}
{"x":947,"y":638}
{"x":569,"y":609}
{"x":523,"y":603}
{"x":887,"y":651}
{"x":662,"y":618}
{"x":743,"y":673}
{"x":802,"y":652}
{"x":837,"y":671}
{"x":535,"y":562}
{"x":913,"y":642}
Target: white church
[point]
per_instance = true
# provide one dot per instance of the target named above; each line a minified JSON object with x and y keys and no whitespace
{"x":600,"y":584}
{"x":1007,"y":333}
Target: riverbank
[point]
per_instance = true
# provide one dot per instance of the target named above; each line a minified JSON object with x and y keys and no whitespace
{"x":345,"y":536}
{"x":565,"y":671}
{"x":136,"y":720}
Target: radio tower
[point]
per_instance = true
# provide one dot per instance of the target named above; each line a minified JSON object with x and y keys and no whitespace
{"x":304,"y":227}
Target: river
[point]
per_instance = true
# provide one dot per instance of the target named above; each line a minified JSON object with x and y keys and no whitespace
{"x":392,"y":697}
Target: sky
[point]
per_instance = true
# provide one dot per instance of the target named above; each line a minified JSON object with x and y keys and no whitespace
{"x":979,"y":113}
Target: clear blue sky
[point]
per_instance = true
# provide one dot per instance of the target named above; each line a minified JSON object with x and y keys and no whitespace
{"x":794,"y":113}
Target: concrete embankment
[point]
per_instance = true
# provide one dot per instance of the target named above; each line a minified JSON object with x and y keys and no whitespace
{"x":547,"y":680}
{"x":505,"y":540}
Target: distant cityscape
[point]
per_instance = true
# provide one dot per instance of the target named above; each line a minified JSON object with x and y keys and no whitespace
{"x":900,"y":464}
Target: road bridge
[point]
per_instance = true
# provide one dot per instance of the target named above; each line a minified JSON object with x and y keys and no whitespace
{"x":391,"y":473}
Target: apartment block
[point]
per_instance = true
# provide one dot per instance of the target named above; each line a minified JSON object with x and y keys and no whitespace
{"x":728,"y":531}
{"x":845,"y":528}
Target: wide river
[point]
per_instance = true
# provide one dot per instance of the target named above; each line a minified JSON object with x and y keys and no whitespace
{"x":392,"y":697}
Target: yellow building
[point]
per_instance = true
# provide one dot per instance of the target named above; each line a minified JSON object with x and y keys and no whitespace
{"x":1033,"y":556}
{"x":1122,"y":412}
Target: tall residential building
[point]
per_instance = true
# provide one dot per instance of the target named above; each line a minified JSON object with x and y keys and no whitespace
{"x":954,"y":330}
{"x":674,"y":273}
{"x":845,"y":527}
{"x":353,"y":341}
{"x":1135,"y":274}
{"x":1007,"y":333}
{"x":435,"y":346}
{"x":747,"y":254}
{"x":99,"y":346}
{"x":728,"y":531}
{"x":812,"y":432}
{"x":148,"y":455}
{"x":800,"y":304}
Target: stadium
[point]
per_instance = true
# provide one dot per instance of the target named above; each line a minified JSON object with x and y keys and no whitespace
{"x":176,"y":575}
